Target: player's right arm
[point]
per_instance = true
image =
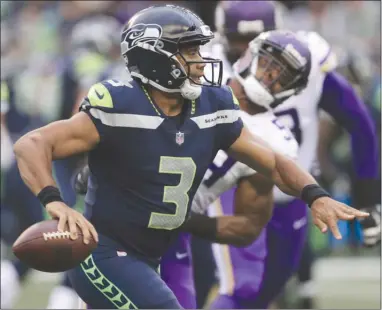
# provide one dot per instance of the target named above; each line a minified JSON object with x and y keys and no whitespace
{"x":35,"y":152}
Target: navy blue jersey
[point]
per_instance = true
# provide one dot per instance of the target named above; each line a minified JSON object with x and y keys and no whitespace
{"x":148,"y":166}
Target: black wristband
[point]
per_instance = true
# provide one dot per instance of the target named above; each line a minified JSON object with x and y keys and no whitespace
{"x":201,"y":225}
{"x":49,"y":194}
{"x":312,"y":192}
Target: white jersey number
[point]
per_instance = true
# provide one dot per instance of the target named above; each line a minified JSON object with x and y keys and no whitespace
{"x":178,"y":195}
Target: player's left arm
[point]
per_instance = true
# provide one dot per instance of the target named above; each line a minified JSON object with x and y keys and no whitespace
{"x":253,"y":206}
{"x":238,"y":142}
{"x":292,"y":180}
{"x":340,"y":100}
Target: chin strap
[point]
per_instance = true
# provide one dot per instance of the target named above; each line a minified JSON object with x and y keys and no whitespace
{"x":190,"y":91}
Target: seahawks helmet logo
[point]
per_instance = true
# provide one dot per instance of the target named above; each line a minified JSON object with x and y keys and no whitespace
{"x":140,"y":33}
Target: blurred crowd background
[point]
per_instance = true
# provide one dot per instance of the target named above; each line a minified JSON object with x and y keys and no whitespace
{"x":53,"y":51}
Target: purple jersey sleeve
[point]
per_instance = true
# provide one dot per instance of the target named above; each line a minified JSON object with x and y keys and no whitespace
{"x":342,"y":103}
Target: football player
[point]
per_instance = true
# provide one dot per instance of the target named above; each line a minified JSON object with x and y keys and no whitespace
{"x":237,"y":22}
{"x":150,"y":143}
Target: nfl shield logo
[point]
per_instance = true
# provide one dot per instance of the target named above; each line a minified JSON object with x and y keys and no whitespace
{"x":179,"y":138}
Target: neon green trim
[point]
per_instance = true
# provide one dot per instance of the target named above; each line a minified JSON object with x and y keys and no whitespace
{"x":105,"y":286}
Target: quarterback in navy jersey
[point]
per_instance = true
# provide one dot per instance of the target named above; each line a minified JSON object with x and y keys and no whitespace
{"x":150,"y":142}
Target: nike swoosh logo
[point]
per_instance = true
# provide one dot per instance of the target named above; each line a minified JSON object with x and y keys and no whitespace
{"x":299,"y":223}
{"x":181,"y":255}
{"x":121,"y":253}
{"x":99,"y":96}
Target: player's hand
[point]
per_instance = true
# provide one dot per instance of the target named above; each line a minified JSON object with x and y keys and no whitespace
{"x":327,"y":211}
{"x":65,"y":215}
{"x":371,"y":226}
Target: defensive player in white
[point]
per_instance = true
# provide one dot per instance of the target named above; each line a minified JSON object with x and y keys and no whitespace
{"x":249,"y":282}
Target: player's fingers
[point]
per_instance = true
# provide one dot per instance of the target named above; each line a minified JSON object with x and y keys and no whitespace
{"x":345,"y":216}
{"x":360,"y":214}
{"x":334,"y":228}
{"x":93,"y":231}
{"x":85,"y":230}
{"x":72,"y":227}
{"x":62,"y":222}
{"x":321,"y":225}
{"x":354,"y":212}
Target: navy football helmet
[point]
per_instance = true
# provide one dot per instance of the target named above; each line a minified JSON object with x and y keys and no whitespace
{"x":239,"y":22}
{"x":151,"y":43}
{"x":276,"y":66}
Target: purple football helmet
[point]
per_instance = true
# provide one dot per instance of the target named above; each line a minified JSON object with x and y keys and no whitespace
{"x":239,"y":22}
{"x":276,"y":66}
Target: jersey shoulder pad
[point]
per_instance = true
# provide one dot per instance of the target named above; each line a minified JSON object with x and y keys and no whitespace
{"x":223,"y":97}
{"x":320,"y":49}
{"x":110,"y":95}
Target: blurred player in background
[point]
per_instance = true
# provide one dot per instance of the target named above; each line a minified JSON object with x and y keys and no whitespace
{"x":19,"y":207}
{"x":237,"y":23}
{"x":7,"y":157}
{"x":93,"y":41}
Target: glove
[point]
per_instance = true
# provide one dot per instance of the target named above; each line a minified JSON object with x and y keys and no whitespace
{"x":81,"y":180}
{"x":371,"y":226}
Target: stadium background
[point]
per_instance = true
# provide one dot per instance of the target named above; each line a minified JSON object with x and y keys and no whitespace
{"x":39,"y":40}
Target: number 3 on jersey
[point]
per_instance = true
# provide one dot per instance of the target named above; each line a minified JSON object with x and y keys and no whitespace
{"x":178,"y":194}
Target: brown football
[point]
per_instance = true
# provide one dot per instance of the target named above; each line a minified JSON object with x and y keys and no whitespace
{"x":42,"y":247}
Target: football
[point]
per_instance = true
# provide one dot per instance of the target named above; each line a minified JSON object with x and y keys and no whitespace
{"x":42,"y":247}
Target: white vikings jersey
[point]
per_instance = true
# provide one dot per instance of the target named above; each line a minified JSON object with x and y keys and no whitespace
{"x":300,"y":113}
{"x":225,"y":172}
